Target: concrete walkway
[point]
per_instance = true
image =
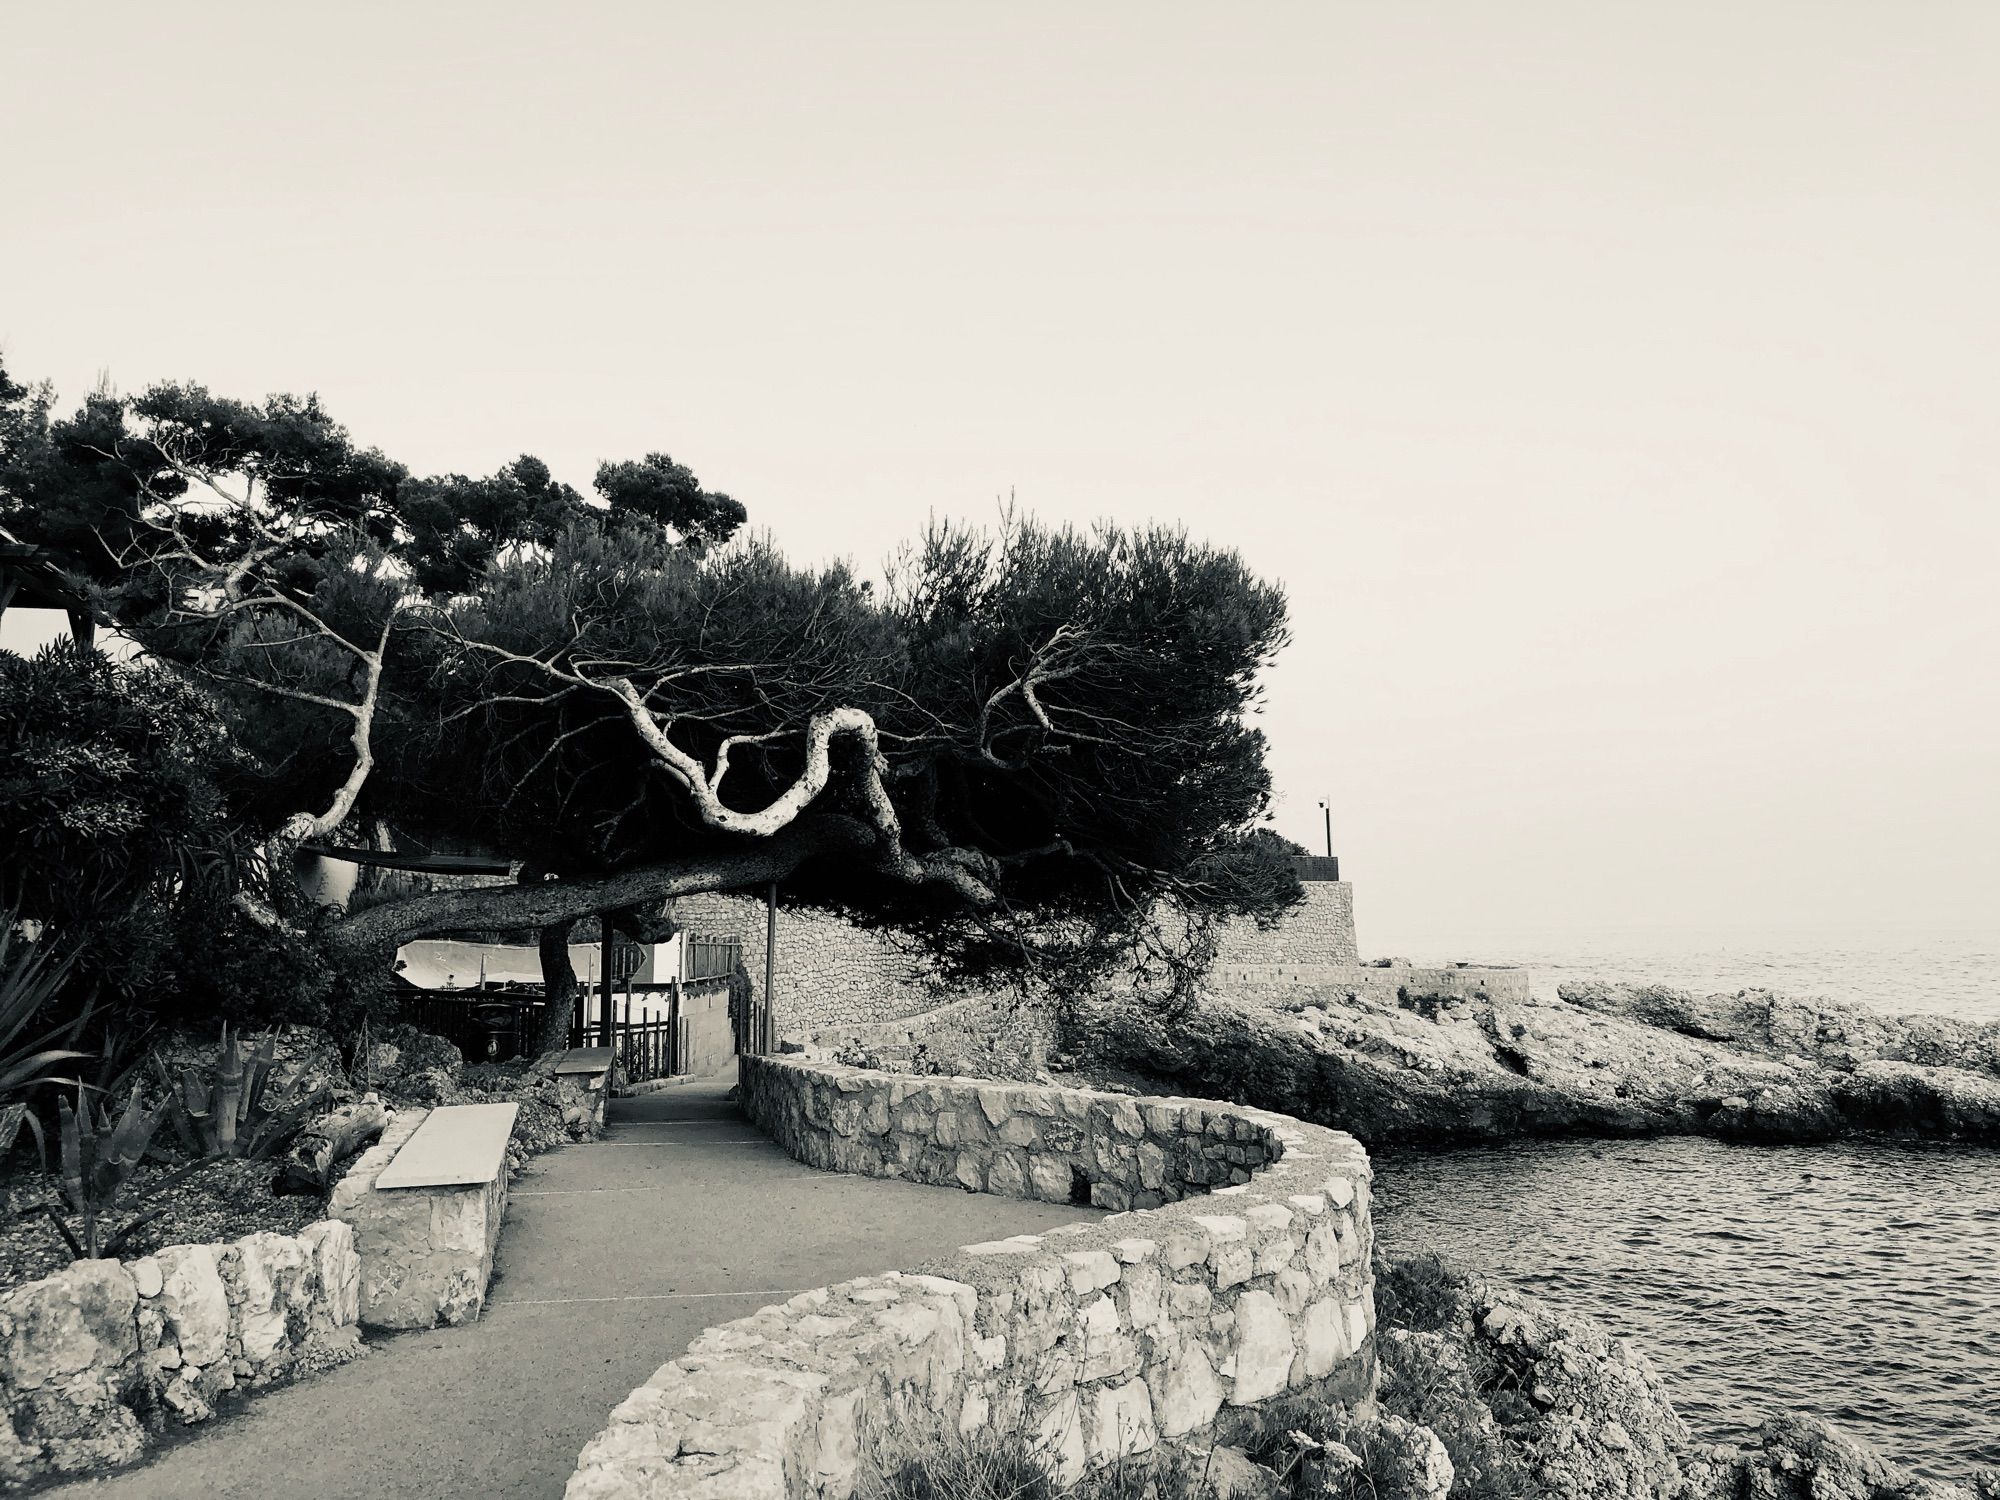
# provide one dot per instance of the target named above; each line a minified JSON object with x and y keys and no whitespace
{"x":614,"y":1256}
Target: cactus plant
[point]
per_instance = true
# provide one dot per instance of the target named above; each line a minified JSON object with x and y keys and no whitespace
{"x":222,"y":1110}
{"x":98,"y":1158}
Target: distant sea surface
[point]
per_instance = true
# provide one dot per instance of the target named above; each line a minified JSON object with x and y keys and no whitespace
{"x":1859,"y":1281}
{"x":1946,"y":973}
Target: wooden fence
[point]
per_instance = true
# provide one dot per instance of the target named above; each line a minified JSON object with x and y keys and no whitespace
{"x":710,"y":957}
{"x":497,"y":1025}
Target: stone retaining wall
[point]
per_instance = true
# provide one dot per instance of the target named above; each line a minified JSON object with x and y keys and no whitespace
{"x":98,"y":1359}
{"x":1250,"y":1279}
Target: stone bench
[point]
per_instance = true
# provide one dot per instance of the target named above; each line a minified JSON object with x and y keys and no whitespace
{"x":590,"y":1071}
{"x":426,"y":1204}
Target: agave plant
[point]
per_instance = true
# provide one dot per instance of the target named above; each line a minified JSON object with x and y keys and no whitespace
{"x":98,"y":1160}
{"x":221,"y":1110}
{"x":31,"y":976}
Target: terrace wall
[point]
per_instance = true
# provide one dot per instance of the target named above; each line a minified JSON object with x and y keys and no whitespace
{"x":99,"y":1358}
{"x":1241,"y":1275}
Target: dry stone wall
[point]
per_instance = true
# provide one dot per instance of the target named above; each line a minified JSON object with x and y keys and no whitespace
{"x":98,"y":1359}
{"x":1245,"y":1277}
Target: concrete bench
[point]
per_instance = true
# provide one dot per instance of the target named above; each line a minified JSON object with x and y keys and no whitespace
{"x":426,"y":1204}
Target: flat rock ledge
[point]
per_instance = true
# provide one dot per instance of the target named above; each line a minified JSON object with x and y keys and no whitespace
{"x":1245,"y":1277}
{"x":1604,"y":1060}
{"x":99,"y":1359}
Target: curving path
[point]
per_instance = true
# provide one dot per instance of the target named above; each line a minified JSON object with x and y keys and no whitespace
{"x":614,"y":1256}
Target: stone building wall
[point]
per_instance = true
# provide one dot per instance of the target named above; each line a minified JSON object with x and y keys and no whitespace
{"x":1250,"y":1280}
{"x":1319,"y":932}
{"x":97,"y":1359}
{"x":833,"y":975}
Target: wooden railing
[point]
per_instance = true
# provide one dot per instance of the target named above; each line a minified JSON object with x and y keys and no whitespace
{"x":710,"y":957}
{"x":497,"y":1025}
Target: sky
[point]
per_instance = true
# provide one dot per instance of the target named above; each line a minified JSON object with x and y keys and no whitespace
{"x":1612,"y":386}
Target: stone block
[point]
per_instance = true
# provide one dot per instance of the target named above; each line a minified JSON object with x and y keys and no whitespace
{"x":1187,"y":1392}
{"x":1262,"y":1348}
{"x":77,"y":1320}
{"x":1050,"y":1178}
{"x":1122,"y":1422}
{"x":193,"y":1302}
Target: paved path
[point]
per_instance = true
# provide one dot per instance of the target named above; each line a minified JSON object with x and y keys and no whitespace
{"x":614,"y":1256}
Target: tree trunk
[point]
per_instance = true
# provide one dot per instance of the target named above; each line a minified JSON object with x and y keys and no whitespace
{"x":326,"y":1141}
{"x":559,"y":984}
{"x":374,"y":935}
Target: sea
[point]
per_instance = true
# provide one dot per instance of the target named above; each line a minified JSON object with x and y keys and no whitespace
{"x":1859,"y":1281}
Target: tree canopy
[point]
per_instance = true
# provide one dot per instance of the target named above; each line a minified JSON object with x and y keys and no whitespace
{"x":1031,"y":745}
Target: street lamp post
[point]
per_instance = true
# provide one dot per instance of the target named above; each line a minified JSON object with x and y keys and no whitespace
{"x":1328,"y":811}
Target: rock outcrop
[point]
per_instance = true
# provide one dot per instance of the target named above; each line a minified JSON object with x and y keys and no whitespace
{"x":1603,"y":1060}
{"x":1508,"y":1382}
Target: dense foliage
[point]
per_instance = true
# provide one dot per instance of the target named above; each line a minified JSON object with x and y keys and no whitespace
{"x":120,"y":840}
{"x":1031,"y":749}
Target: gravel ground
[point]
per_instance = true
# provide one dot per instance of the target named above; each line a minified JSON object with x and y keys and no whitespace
{"x":224,"y":1201}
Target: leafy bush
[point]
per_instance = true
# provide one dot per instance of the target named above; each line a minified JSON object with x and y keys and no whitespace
{"x":32,"y":975}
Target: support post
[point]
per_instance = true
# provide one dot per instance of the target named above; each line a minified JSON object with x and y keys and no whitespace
{"x":607,"y":986}
{"x":769,"y":1017}
{"x":674,"y":1030}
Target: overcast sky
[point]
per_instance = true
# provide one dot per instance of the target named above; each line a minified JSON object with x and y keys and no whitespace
{"x":1613,"y":386}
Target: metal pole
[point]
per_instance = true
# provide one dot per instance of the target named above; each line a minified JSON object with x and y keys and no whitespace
{"x":770,"y":965}
{"x":1324,"y":808}
{"x":606,"y":985}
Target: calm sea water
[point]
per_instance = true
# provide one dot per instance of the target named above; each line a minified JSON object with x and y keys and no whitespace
{"x":1860,"y":1281}
{"x":1954,"y":973}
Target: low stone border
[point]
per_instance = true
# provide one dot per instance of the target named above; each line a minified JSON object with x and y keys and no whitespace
{"x":97,"y":1359}
{"x":1091,"y":1341}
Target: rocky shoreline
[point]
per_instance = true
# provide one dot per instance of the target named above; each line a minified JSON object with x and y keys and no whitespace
{"x":1516,"y":1390}
{"x":1604,"y":1060}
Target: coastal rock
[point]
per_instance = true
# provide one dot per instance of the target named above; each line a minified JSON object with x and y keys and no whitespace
{"x":1823,"y":1031}
{"x":1800,"y":1457}
{"x":1610,"y":1061}
{"x":1526,"y":1396}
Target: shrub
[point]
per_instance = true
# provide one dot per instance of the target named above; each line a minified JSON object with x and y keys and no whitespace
{"x":1421,"y":1294}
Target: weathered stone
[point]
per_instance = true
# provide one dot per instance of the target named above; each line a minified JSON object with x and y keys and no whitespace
{"x":1050,"y":1178}
{"x":1262,"y":1348}
{"x":1232,"y":1265}
{"x":1187,"y":1393}
{"x":1007,"y":1175}
{"x":1230,"y":1474}
{"x":145,"y":1273}
{"x":1090,"y":1270}
{"x":1059,"y":1439}
{"x":193,"y":1302}
{"x":1122,"y":1422}
{"x":76,"y":1320}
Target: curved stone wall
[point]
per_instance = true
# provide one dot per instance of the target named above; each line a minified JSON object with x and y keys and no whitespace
{"x":1244,"y":1276}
